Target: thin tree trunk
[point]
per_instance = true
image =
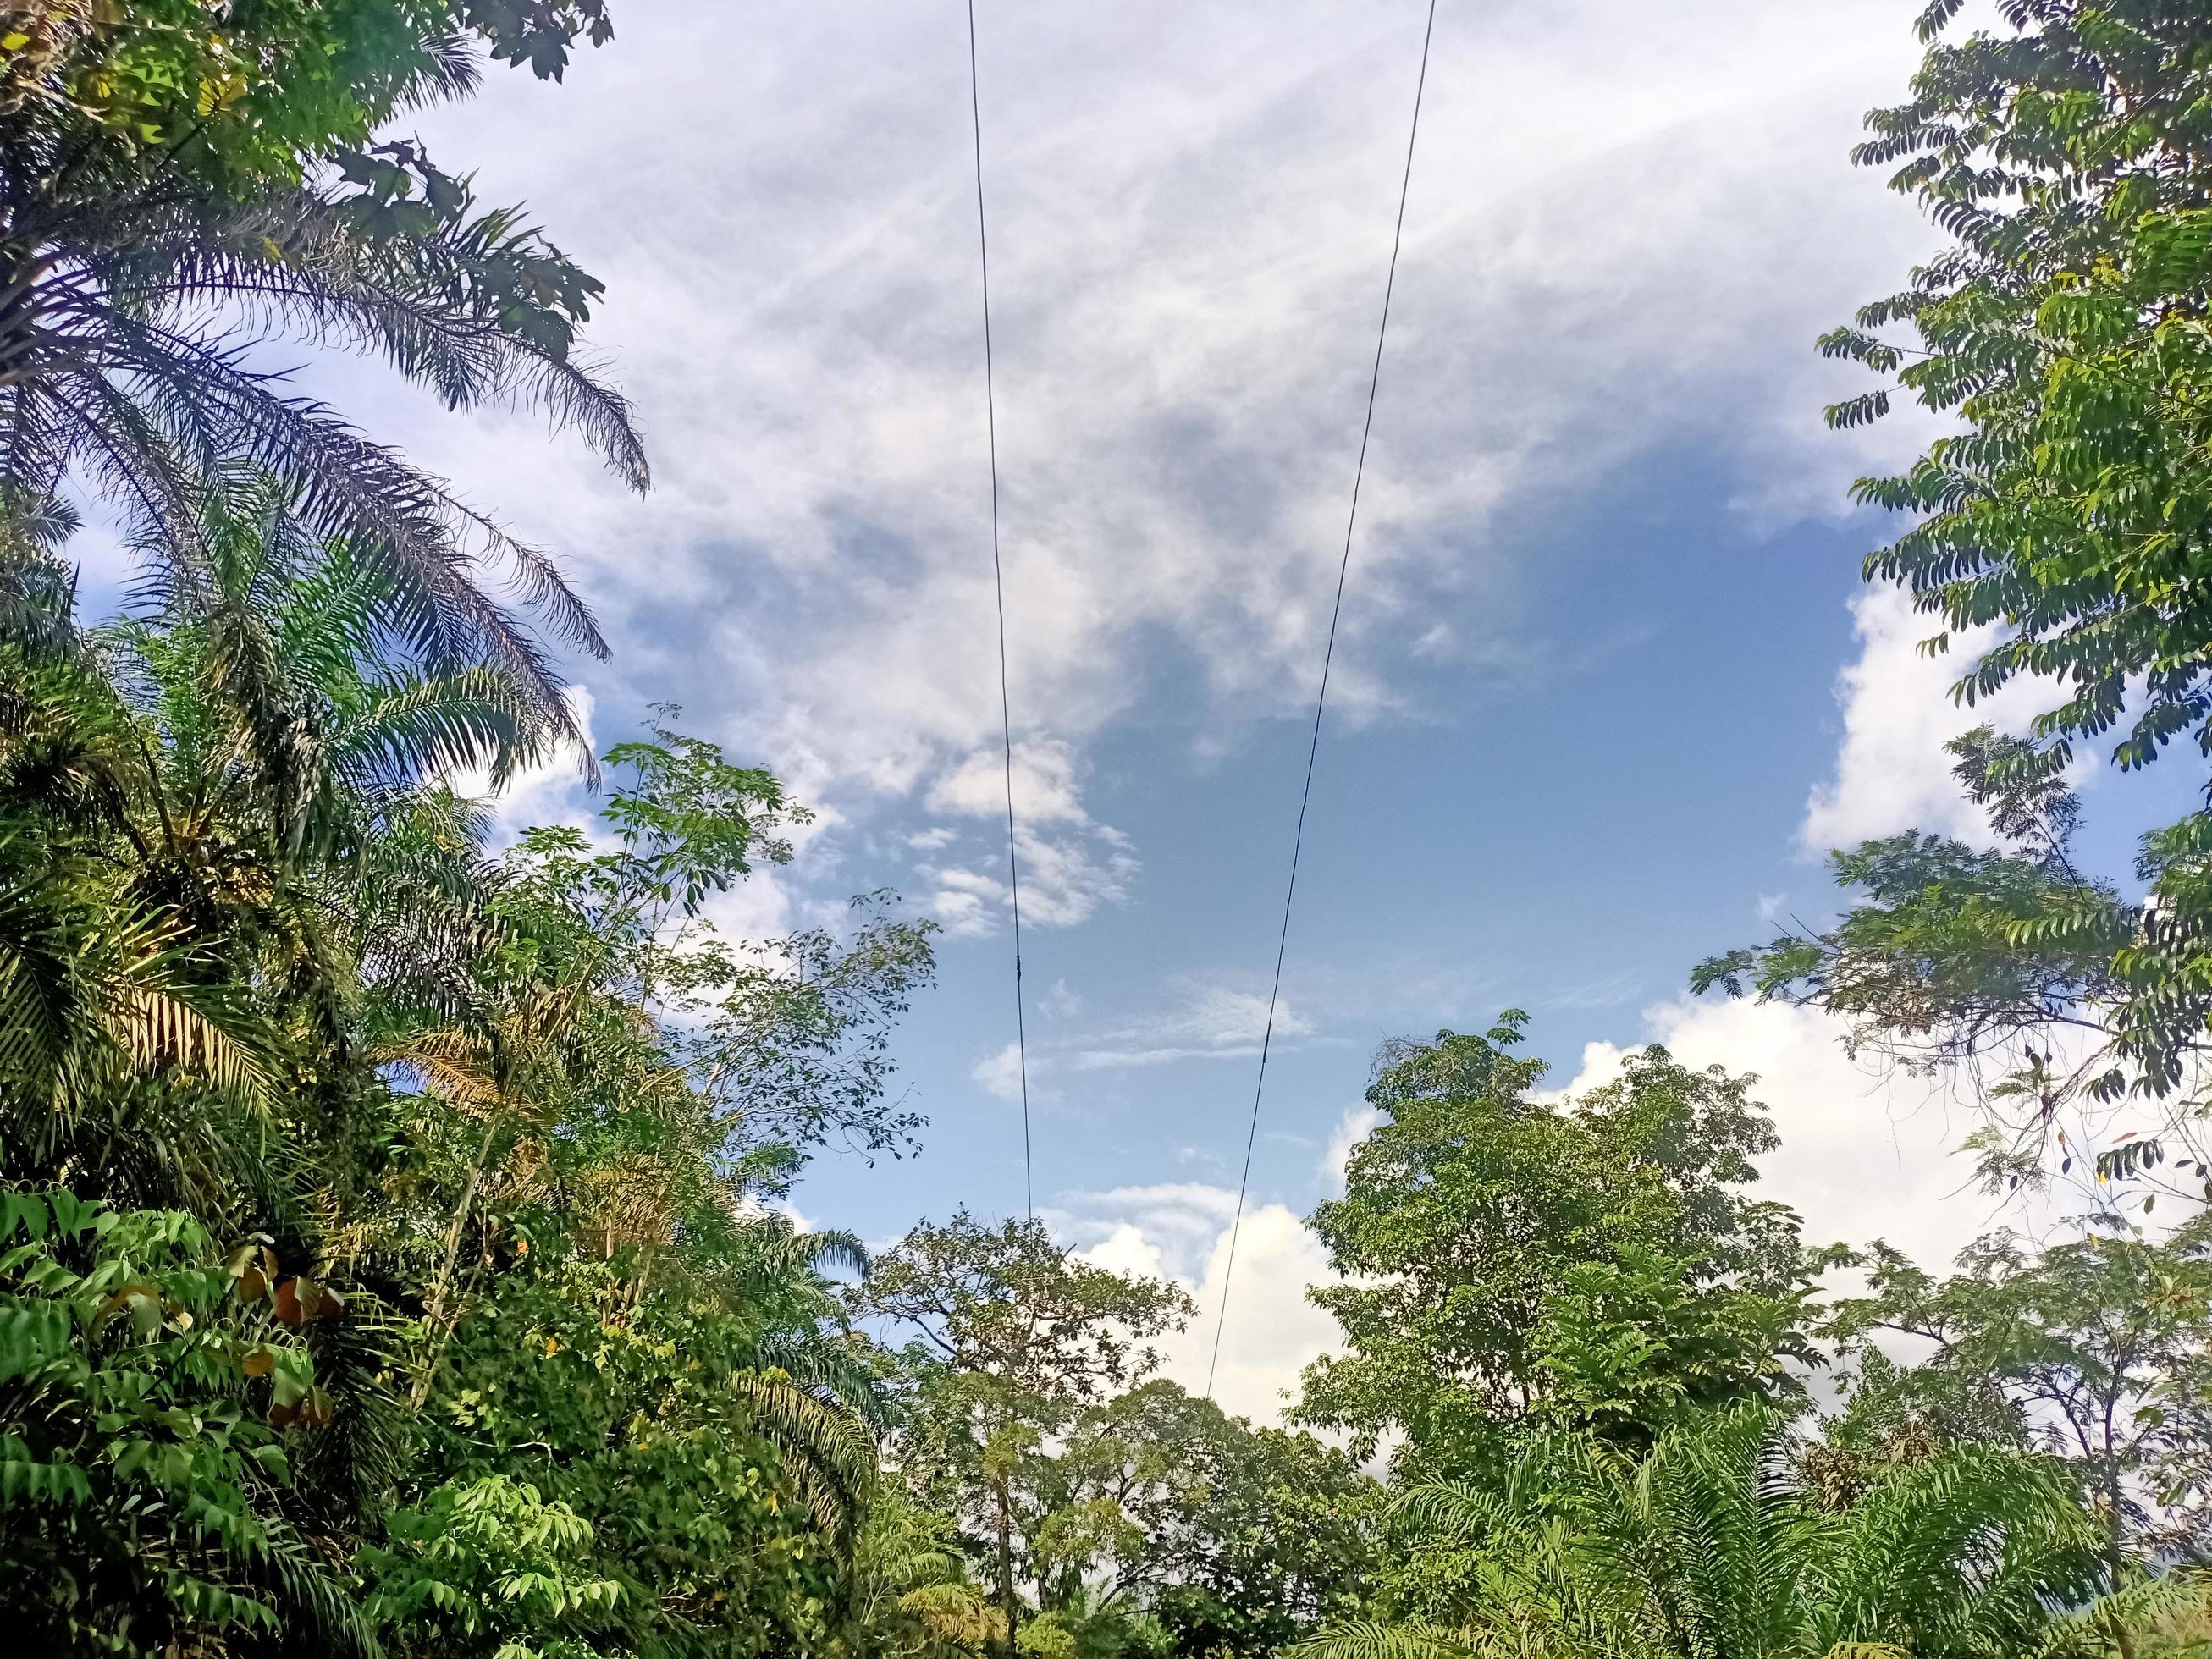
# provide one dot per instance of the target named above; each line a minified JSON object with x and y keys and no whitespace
{"x":2122,"y":1638}
{"x":1007,"y":1604}
{"x":441,"y":1286}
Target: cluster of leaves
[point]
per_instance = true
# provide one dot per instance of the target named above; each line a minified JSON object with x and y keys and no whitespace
{"x":142,"y":1397}
{"x":1706,"y":1544}
{"x":236,"y":97}
{"x":2018,"y":1461}
{"x":1594,"y":1344}
{"x":383,"y":1264}
{"x":391,"y":1237}
{"x":181,"y":180}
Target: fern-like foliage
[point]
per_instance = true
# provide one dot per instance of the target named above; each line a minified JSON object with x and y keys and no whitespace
{"x":1708,"y":1546}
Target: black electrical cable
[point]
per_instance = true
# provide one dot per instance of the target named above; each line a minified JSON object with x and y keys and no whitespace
{"x":999,"y":585}
{"x":1320,"y":703}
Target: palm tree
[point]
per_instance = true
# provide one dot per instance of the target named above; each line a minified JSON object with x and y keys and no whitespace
{"x":104,"y":983}
{"x":1708,"y":1548}
{"x":192,"y":803}
{"x":140,"y":285}
{"x":910,"y":1595}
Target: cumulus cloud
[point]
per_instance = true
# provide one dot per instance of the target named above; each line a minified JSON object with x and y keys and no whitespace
{"x":1892,"y":773}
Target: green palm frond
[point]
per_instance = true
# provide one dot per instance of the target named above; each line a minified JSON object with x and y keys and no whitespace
{"x":310,"y":1598}
{"x":2143,"y":1605}
{"x":115,"y":374}
{"x":1707,"y":1546}
{"x":1368,"y":1639}
{"x":825,"y":1448}
{"x":89,"y":997}
{"x":957,"y":1613}
{"x":402,"y":731}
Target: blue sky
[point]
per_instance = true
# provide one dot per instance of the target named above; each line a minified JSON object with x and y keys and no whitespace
{"x":1608,"y":671}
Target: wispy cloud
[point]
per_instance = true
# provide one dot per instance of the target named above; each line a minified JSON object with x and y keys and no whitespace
{"x":1192,"y":208}
{"x":1070,"y":864}
{"x":1203,"y":1019}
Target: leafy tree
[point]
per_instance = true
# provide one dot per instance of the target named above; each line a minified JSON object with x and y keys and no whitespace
{"x":1237,"y":1540}
{"x":1703,"y":1547}
{"x":1894,"y":1416}
{"x":144,"y":1394}
{"x":1514,"y":1264}
{"x":912,"y":1597}
{"x":2068,"y":157}
{"x":235,"y":100}
{"x":179,"y":180}
{"x":2070,"y":161}
{"x":489,"y":1561}
{"x":323,"y":911}
{"x":2101,"y":1346}
{"x":715,"y":1500}
{"x":382,"y":1265}
{"x":1011,"y":1337}
{"x":2009,"y":966}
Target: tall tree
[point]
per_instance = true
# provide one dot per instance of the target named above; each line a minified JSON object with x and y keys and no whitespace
{"x":1238,"y":1540}
{"x":1512,"y":1263}
{"x":2063,"y":330}
{"x":1011,"y":1337}
{"x":179,"y":181}
{"x":2013,"y":969}
{"x":2104,"y":1346}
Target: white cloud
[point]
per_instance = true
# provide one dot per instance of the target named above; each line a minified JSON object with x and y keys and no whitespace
{"x":1066,"y":877}
{"x":759,"y":908}
{"x":1272,"y":1332}
{"x":966,"y":902}
{"x":1063,"y":881}
{"x":1000,"y":1073}
{"x":1354,"y":1126}
{"x":1044,"y":786}
{"x":1070,"y":863}
{"x":1060,"y":1003}
{"x":1208,"y":1020}
{"x":551,"y":792}
{"x":1891,"y":774}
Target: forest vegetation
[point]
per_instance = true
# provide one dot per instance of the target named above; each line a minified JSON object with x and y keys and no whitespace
{"x":391,"y":1261}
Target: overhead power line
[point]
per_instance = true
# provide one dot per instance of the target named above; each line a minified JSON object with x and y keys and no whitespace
{"x":999,"y":587}
{"x":1320,"y":701}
